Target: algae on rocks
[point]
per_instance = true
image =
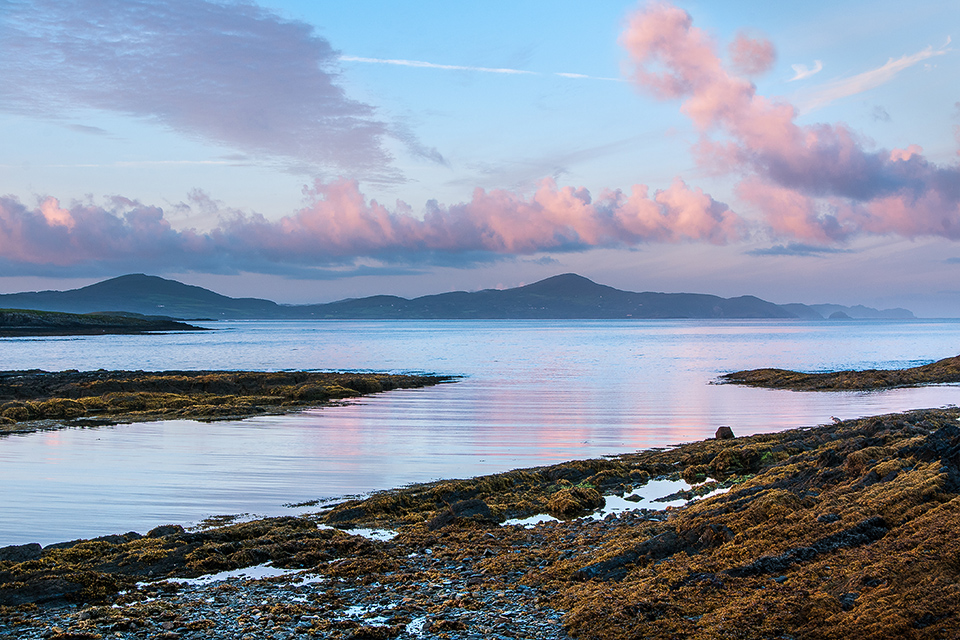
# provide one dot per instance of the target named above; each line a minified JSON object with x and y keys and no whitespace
{"x":31,"y":400}
{"x":839,"y":531}
{"x":940,"y":372}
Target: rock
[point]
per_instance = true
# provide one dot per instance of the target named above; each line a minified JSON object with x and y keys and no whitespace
{"x":112,"y":539}
{"x":20,"y":553}
{"x":165,"y":530}
{"x":341,"y":515}
{"x":734,"y":461}
{"x":725,"y":433}
{"x":926,"y":620}
{"x":473,"y":510}
{"x":827,"y":518}
{"x":703,"y":580}
{"x":849,"y":600}
{"x":656,"y":548}
{"x":713,"y":536}
{"x":867,"y":531}
{"x":697,"y":473}
{"x":39,"y":592}
{"x":568,"y":503}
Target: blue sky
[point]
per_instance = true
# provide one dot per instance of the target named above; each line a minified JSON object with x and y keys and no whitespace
{"x":240,"y":147}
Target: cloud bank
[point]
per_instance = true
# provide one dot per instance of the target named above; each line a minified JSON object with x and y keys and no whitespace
{"x":235,"y":74}
{"x":818,"y":183}
{"x":341,"y":226}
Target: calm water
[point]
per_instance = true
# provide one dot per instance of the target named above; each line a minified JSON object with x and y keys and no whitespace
{"x":534,"y":392}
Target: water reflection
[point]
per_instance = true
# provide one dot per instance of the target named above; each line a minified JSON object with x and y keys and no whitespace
{"x":535,"y":393}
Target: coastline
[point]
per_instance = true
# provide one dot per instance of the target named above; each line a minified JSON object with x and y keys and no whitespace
{"x":25,"y":323}
{"x":942,"y":371}
{"x":825,"y":532}
{"x":40,"y":400}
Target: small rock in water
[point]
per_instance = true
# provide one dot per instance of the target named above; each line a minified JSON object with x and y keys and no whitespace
{"x":724,"y":433}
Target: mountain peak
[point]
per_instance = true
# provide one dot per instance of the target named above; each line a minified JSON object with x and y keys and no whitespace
{"x":138,"y":285}
{"x":566,"y":284}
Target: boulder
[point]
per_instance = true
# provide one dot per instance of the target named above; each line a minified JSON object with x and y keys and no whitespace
{"x":724,"y":433}
{"x":20,"y":553}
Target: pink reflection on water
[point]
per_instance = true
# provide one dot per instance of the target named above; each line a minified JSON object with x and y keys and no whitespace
{"x":535,"y":393}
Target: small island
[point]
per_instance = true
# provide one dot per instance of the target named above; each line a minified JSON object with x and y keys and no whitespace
{"x":15,"y":323}
{"x":940,"y":372}
{"x":33,"y":400}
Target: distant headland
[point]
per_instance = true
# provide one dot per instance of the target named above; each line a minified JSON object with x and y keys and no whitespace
{"x":28,"y":322}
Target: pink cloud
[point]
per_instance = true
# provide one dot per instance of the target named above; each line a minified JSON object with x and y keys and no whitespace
{"x":752,"y":56}
{"x":341,"y":225}
{"x":813,"y":182}
{"x":905,"y":154}
{"x":128,"y":232}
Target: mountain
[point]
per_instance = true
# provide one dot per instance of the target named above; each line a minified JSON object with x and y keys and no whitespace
{"x":147,"y":295}
{"x":802,"y":311}
{"x":863,"y":313}
{"x":561,"y":297}
{"x":566,"y":296}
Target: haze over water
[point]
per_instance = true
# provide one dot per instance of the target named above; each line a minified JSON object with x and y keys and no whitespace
{"x":533,"y":392}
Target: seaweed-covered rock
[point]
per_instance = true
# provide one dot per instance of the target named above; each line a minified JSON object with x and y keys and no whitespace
{"x":473,"y":511}
{"x":165,"y":530}
{"x":20,"y":553}
{"x":574,"y":501}
{"x":93,"y":398}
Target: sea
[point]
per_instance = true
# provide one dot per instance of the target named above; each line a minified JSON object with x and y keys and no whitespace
{"x":528,"y":393}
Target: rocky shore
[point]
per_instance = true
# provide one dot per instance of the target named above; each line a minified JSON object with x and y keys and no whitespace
{"x":940,"y":372}
{"x":34,"y":400}
{"x":838,"y":531}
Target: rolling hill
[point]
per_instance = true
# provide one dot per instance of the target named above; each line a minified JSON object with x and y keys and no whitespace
{"x":565,"y":296}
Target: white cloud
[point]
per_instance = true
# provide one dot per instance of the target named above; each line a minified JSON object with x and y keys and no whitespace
{"x":420,"y":64}
{"x":431,"y":65}
{"x":580,"y":76}
{"x":865,"y":81}
{"x":801,"y":71}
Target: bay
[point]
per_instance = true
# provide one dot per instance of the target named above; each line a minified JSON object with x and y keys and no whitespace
{"x":532,"y":393}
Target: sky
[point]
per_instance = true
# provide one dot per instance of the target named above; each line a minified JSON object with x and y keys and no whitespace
{"x":308,"y":151}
